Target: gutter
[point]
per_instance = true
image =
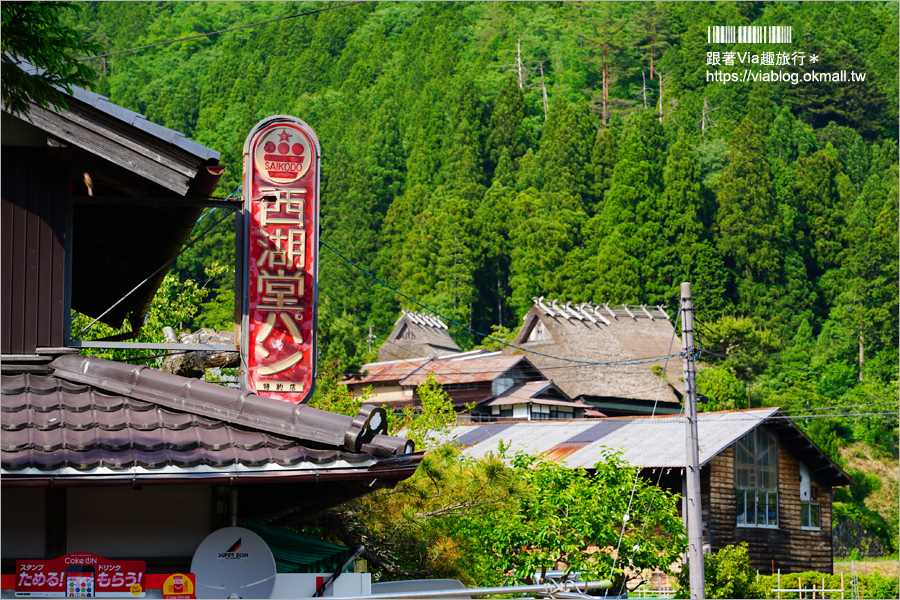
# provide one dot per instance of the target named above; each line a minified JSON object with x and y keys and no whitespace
{"x":394,"y":469}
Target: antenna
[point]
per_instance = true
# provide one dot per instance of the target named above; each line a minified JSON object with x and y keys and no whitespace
{"x":233,"y":560}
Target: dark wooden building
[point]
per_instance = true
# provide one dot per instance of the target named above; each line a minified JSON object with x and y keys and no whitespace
{"x":762,"y":480}
{"x":117,"y":459}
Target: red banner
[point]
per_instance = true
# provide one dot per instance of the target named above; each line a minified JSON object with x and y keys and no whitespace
{"x":281,"y":233}
{"x":80,"y":575}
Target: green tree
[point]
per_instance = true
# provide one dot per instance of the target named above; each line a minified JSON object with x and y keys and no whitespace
{"x":565,"y":515}
{"x":33,"y":32}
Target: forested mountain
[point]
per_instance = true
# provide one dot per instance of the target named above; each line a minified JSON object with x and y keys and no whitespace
{"x":478,"y":154}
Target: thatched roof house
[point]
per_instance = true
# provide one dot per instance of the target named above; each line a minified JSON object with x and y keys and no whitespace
{"x":568,"y":340}
{"x":417,"y":335}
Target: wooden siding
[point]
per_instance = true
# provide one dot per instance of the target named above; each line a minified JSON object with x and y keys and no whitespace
{"x":786,"y":547}
{"x":32,"y":278}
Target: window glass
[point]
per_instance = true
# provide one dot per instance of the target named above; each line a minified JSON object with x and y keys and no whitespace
{"x":756,"y":479}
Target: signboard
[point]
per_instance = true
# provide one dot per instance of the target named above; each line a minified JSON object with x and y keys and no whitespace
{"x":178,"y":585}
{"x":80,"y":575}
{"x":281,"y":259}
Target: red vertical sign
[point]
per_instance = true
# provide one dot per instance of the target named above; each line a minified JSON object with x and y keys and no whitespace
{"x":281,"y":234}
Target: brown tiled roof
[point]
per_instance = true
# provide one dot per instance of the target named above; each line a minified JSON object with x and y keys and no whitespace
{"x":466,"y":371}
{"x":394,"y":370}
{"x":95,"y":418}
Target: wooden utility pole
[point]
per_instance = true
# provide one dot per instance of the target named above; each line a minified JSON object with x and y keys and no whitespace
{"x":693,"y":510}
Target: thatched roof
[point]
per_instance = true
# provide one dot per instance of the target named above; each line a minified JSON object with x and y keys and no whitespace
{"x":593,"y":333}
{"x":417,"y":335}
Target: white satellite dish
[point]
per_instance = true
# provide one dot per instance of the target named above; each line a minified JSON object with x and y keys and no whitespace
{"x":233,"y":560}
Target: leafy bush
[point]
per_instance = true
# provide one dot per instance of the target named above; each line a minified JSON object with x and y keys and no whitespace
{"x":727,"y":574}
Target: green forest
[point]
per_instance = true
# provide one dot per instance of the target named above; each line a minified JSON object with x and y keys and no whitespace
{"x":476,"y":155}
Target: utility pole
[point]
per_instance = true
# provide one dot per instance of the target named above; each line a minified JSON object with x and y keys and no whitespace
{"x":370,"y":338}
{"x":693,"y":509}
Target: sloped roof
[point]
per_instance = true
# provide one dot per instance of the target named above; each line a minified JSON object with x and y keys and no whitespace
{"x":149,"y":184}
{"x":394,"y":370}
{"x":632,"y":336}
{"x":534,"y":392}
{"x":101,"y":422}
{"x":647,"y":442}
{"x":468,"y":370}
{"x":417,"y":335}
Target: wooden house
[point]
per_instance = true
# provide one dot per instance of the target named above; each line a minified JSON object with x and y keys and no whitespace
{"x":499,"y":387}
{"x":763,"y":481}
{"x":117,"y":459}
{"x":417,"y":335}
{"x":611,"y":357}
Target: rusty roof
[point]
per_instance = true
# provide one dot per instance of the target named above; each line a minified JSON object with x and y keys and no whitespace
{"x":468,"y":370}
{"x":102,"y":421}
{"x":647,"y":442}
{"x":394,"y":370}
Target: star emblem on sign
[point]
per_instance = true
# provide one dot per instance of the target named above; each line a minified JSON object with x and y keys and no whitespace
{"x":284,"y":136}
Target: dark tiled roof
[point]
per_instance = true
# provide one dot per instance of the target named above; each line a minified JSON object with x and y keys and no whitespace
{"x":134,"y":119}
{"x":96,"y":417}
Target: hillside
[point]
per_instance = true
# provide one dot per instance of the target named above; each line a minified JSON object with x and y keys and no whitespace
{"x":478,"y":154}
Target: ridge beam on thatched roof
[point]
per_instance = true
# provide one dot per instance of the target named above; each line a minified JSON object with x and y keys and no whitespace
{"x":630,"y":314}
{"x":581,"y":309}
{"x":598,"y":314}
{"x":610,"y":311}
{"x":646,"y":312}
{"x":660,"y":307}
{"x":540,"y":303}
{"x":562,"y":312}
{"x":574,"y":312}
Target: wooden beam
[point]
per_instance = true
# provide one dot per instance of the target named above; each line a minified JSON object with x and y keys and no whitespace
{"x":115,"y":148}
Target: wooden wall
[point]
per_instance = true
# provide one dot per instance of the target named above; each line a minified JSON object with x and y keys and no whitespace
{"x":787,"y":547}
{"x":32,"y":274}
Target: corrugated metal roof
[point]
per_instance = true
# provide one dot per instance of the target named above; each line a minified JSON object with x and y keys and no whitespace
{"x":645,"y":441}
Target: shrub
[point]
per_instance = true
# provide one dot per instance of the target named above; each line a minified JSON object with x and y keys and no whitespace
{"x":727,"y":574}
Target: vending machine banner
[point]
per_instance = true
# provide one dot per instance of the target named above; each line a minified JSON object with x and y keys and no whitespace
{"x":80,"y":575}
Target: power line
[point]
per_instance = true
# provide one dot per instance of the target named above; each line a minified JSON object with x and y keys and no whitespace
{"x":212,"y":33}
{"x":168,"y":263}
{"x":484,"y":335}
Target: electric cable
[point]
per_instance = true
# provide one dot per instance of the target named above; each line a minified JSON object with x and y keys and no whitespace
{"x":478,"y":333}
{"x":168,"y":263}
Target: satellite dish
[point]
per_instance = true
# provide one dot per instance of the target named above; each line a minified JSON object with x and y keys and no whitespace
{"x":233,"y":560}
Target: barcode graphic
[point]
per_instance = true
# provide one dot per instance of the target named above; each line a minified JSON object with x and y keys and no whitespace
{"x":749,"y":34}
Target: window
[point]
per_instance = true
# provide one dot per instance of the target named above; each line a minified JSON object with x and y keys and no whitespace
{"x":810,"y":515}
{"x":756,"y":479}
{"x":538,"y":332}
{"x":540,"y":412}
